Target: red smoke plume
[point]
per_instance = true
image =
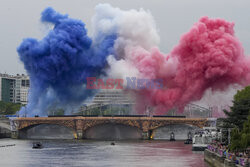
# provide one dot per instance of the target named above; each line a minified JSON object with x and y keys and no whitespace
{"x":208,"y":56}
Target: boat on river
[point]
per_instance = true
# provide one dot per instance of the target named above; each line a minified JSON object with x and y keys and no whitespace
{"x":201,"y":140}
{"x":37,"y":145}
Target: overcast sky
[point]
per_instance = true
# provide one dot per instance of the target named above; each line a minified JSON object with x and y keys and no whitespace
{"x":20,"y":19}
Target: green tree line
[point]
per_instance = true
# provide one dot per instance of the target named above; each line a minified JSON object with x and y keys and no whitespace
{"x":241,"y":138}
{"x":239,"y":120}
{"x":8,"y":108}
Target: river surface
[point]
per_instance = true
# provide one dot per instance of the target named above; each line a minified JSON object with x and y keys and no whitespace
{"x":75,"y":153}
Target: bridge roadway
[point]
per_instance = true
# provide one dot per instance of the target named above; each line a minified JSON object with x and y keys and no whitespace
{"x":80,"y":124}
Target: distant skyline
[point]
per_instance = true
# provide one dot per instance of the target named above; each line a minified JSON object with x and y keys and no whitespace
{"x":20,"y":19}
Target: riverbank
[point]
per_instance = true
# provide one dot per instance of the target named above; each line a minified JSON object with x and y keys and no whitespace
{"x":219,"y":160}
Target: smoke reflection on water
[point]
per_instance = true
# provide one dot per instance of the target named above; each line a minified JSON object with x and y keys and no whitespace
{"x":99,"y":153}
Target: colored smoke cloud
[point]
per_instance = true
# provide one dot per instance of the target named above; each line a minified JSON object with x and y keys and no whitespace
{"x":124,"y":44}
{"x":59,"y":64}
{"x":208,"y":56}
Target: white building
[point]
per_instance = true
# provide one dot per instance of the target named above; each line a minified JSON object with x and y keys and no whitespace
{"x":14,"y":88}
{"x":112,"y":97}
{"x":109,"y":99}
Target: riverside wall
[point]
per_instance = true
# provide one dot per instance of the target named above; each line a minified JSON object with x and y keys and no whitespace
{"x":216,"y":160}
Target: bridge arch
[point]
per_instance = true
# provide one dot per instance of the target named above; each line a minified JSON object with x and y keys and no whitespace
{"x":180,"y":131}
{"x":47,"y":131}
{"x":24,"y":123}
{"x":108,"y":130}
{"x":200,"y":123}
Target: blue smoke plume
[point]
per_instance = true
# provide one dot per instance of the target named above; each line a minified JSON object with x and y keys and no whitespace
{"x":59,"y":64}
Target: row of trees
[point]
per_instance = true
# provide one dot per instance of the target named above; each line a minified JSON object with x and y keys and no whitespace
{"x":239,"y":120}
{"x":8,"y":108}
{"x":241,"y":138}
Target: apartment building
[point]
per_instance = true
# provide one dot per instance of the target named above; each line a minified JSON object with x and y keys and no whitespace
{"x":14,"y":88}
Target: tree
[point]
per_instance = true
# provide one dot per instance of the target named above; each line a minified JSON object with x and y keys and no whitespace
{"x":245,"y":134}
{"x":235,"y":140}
{"x":240,"y":140}
{"x":8,"y":108}
{"x":239,"y":110}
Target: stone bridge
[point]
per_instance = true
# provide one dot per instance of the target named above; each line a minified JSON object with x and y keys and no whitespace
{"x":80,"y":124}
{"x":5,"y":128}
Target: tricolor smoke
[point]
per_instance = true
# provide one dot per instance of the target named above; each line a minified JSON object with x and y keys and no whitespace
{"x":124,"y":44}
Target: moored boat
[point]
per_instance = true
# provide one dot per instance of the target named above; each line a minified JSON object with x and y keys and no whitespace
{"x":201,"y":140}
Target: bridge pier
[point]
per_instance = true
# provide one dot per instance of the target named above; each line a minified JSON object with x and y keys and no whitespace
{"x":79,"y":134}
{"x":14,"y":134}
{"x":145,"y":135}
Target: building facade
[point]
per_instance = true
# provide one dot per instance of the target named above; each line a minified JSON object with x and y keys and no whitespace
{"x":109,"y":102}
{"x":118,"y":102}
{"x":14,"y":88}
{"x":112,"y":97}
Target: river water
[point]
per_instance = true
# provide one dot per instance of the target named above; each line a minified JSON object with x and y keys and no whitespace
{"x":75,"y":153}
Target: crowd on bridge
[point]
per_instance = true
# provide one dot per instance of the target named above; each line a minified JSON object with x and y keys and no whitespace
{"x":241,"y":158}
